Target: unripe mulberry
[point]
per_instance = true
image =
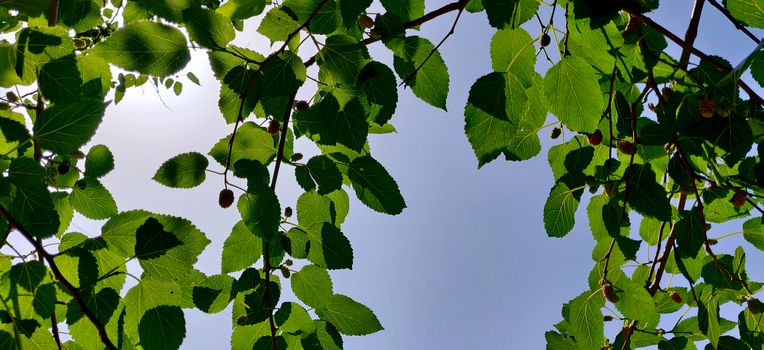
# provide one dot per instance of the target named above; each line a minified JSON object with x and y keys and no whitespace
{"x":285,"y":272}
{"x":595,"y":138}
{"x":273,"y":127}
{"x":607,"y":318}
{"x":626,"y":147}
{"x":675,"y":297}
{"x":296,"y":157}
{"x":609,"y":189}
{"x":365,"y":21}
{"x":706,"y":108}
{"x":225,"y":199}
{"x":375,"y":34}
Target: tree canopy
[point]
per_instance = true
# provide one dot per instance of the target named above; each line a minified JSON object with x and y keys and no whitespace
{"x":670,"y":143}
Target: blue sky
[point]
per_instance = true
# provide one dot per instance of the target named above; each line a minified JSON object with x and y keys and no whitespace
{"x":467,"y":265}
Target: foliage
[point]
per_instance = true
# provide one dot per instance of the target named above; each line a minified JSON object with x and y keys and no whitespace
{"x":680,"y":164}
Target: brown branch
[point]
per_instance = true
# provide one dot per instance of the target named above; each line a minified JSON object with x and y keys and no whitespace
{"x":646,"y":20}
{"x":266,"y":246}
{"x":74,"y":291}
{"x":52,"y":13}
{"x":735,"y":22}
{"x":692,"y":32}
{"x":454,"y":6}
{"x":251,"y":82}
{"x":411,"y":75}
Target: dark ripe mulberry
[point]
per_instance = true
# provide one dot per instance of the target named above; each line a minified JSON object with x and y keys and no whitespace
{"x":555,"y":133}
{"x":595,"y":138}
{"x":545,"y":39}
{"x":225,"y":199}
{"x":273,"y":127}
{"x":675,"y":297}
{"x":365,"y":21}
{"x":64,"y":168}
{"x":706,"y":108}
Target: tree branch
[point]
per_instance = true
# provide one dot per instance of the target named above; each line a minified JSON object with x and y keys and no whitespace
{"x":692,"y":32}
{"x":646,"y":20}
{"x":74,"y":291}
{"x":435,"y":49}
{"x":454,"y":6}
{"x":735,"y":22}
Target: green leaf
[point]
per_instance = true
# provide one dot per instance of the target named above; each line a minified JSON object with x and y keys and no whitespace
{"x":557,"y":341}
{"x":750,"y":12}
{"x":753,"y":232}
{"x":278,"y":23}
{"x":162,"y":328}
{"x":560,"y":209}
{"x":325,"y":19}
{"x":64,"y":128}
{"x":251,"y":142}
{"x":92,"y":200}
{"x":487,"y":134}
{"x":430,"y":81}
{"x":260,"y":211}
{"x":183,"y":171}
{"x":241,"y":9}
{"x":329,"y":248}
{"x":512,"y":50}
{"x":32,"y":8}
{"x":313,"y":286}
{"x":708,"y":314}
{"x":377,"y":81}
{"x":586,"y":323}
{"x":573,"y":94}
{"x":292,"y":318}
{"x":103,"y":304}
{"x":29,"y":201}
{"x":634,"y":301}
{"x":241,"y":249}
{"x":405,"y":10}
{"x":235,"y":83}
{"x":302,"y":175}
{"x":60,"y":80}
{"x":351,"y":9}
{"x":374,"y":186}
{"x":214,"y":293}
{"x":341,"y":59}
{"x":27,"y":275}
{"x":689,"y":233}
{"x":349,"y":316}
{"x":120,"y":234}
{"x":45,"y":300}
{"x":152,"y":241}
{"x":148,"y":294}
{"x":99,"y":161}
{"x":646,"y":196}
{"x":146,"y":47}
{"x":208,"y":28}
{"x":326,"y":174}
{"x":335,"y":124}
{"x":171,"y":10}
{"x":509,"y":13}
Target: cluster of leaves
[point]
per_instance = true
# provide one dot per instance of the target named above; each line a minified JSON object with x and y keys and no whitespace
{"x":694,"y":144}
{"x":680,"y":164}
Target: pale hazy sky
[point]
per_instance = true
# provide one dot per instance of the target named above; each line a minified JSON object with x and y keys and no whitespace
{"x":467,"y":265}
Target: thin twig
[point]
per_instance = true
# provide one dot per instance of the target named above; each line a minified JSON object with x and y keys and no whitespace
{"x":734,"y":21}
{"x":411,"y":75}
{"x":454,"y":6}
{"x":646,"y":20}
